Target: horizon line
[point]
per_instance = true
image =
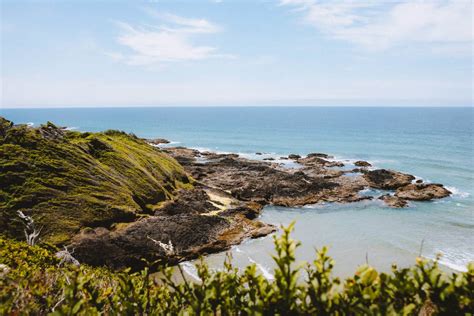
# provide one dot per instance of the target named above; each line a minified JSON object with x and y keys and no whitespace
{"x":28,"y":107}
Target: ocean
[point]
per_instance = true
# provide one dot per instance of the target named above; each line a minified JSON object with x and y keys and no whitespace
{"x":435,"y":144}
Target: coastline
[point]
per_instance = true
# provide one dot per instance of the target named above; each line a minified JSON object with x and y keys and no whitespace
{"x":327,"y":167}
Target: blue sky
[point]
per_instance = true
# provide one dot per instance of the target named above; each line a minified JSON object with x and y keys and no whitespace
{"x":211,"y":52}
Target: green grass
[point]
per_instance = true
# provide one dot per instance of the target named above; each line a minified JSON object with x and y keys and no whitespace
{"x":68,"y":180}
{"x":33,"y":281}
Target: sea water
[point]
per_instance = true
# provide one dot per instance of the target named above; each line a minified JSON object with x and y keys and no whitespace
{"x":435,"y":144}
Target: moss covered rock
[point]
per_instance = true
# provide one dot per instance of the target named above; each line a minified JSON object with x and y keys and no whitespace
{"x":67,"y":180}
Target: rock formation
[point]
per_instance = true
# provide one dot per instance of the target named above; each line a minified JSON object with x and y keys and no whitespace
{"x":116,"y":199}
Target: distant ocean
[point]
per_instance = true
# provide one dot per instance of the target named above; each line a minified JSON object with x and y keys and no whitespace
{"x":435,"y":144}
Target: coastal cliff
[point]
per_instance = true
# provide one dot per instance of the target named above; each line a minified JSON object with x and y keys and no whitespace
{"x":110,"y":196}
{"x":117,"y":200}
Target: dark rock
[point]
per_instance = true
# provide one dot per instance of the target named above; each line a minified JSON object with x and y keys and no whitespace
{"x":362,"y":163}
{"x":212,"y":156}
{"x":258,"y":154}
{"x":187,"y":235}
{"x":195,"y":201}
{"x":422,"y":192}
{"x":294,"y":156}
{"x":269,"y":158}
{"x":315,"y":161}
{"x":419,"y":181}
{"x":387,"y":179}
{"x":319,"y":155}
{"x":157,"y":141}
{"x":393,"y":201}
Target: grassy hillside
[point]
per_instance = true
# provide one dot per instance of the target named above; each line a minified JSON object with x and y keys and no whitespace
{"x":67,"y":180}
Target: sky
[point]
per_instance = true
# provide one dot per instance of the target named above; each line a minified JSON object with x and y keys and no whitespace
{"x":239,"y":52}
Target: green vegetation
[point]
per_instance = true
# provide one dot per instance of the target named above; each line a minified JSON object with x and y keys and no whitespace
{"x":33,"y":281}
{"x":67,"y":180}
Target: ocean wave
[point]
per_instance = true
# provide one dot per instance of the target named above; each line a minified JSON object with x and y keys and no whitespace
{"x":30,"y":124}
{"x":453,"y":258}
{"x":72,"y":128}
{"x":453,"y":265}
{"x":191,"y":270}
{"x":457,"y":266}
{"x":204,"y":149}
{"x":458,"y":193}
{"x":265,"y":272}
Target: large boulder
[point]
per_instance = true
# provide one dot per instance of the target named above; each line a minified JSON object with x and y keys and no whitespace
{"x":387,"y":179}
{"x":319,"y":155}
{"x":422,"y":192}
{"x":362,"y":163}
{"x":157,"y":141}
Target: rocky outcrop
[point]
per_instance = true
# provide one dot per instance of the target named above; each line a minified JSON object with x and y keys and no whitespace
{"x":109,"y":195}
{"x":117,"y":200}
{"x":387,"y":179}
{"x":393,"y":201}
{"x":269,"y":183}
{"x":314,"y":181}
{"x":316,"y":161}
{"x":362,"y":163}
{"x":195,"y":223}
{"x":422,"y":192}
{"x":157,"y":141}
{"x":319,"y":155}
{"x":294,"y":156}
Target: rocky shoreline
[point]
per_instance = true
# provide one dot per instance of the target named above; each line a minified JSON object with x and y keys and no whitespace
{"x":316,"y":178}
{"x":230,"y":192}
{"x":117,"y":200}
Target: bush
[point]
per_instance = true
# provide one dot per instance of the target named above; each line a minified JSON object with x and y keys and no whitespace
{"x":34,"y":281}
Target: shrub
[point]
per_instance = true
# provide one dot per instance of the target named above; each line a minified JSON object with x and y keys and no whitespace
{"x":34,"y":281}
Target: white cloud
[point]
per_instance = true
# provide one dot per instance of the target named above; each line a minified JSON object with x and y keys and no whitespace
{"x":379,"y":25}
{"x":169,"y":42}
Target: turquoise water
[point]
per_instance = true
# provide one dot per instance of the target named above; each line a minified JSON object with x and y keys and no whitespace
{"x":435,"y":144}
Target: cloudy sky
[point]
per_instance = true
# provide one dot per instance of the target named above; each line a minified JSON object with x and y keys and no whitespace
{"x":229,"y":52}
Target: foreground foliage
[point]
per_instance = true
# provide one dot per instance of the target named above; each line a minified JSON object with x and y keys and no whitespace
{"x":33,"y":281}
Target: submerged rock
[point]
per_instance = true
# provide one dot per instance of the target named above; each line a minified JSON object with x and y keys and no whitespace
{"x":393,"y":201}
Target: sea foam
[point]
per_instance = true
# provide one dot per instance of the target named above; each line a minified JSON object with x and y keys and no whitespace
{"x":265,"y":272}
{"x":458,"y":193}
{"x":191,"y":270}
